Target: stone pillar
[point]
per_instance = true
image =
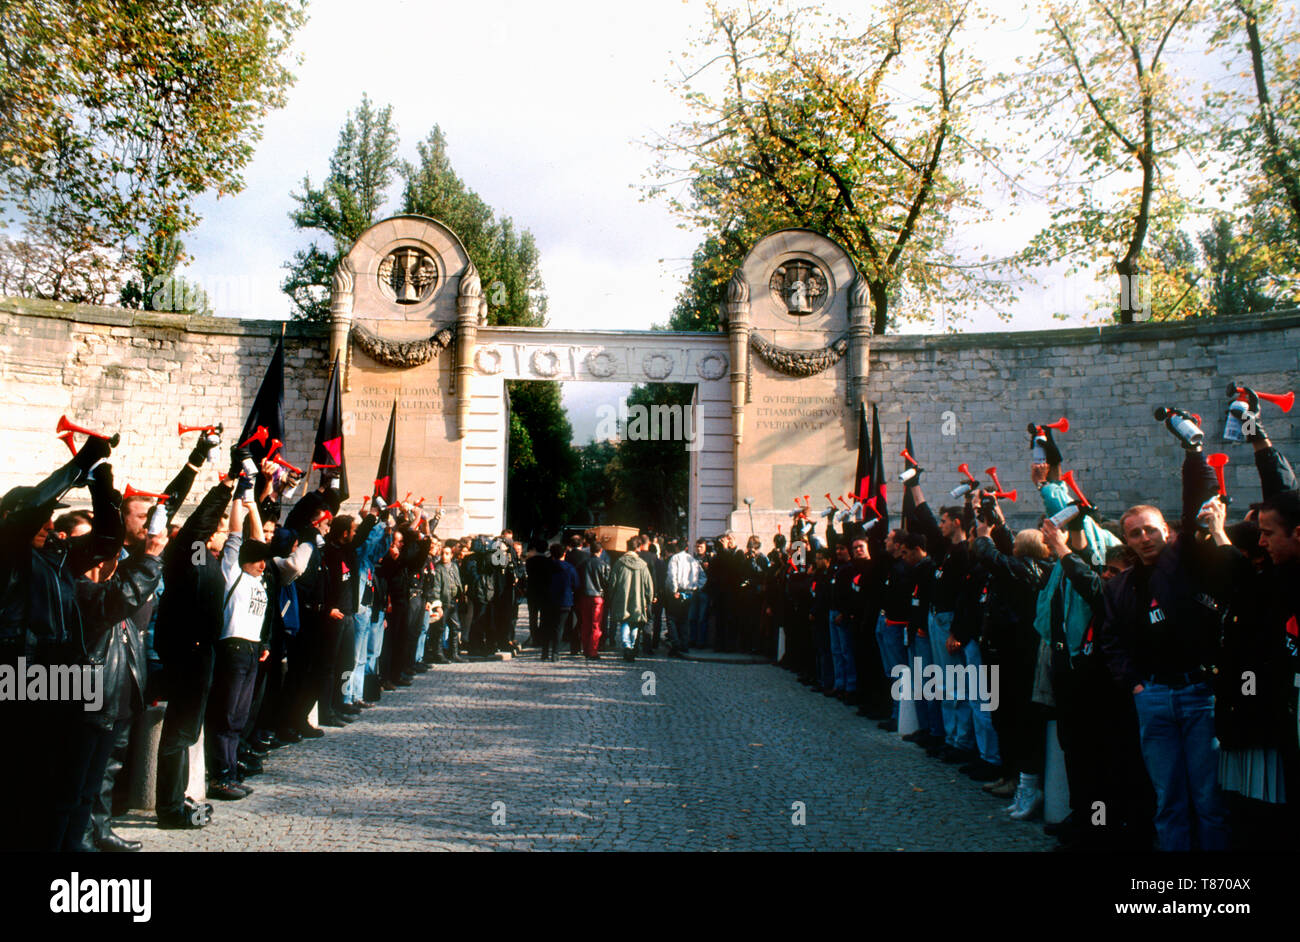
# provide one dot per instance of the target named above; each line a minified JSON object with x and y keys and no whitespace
{"x":468,"y":300}
{"x":341,"y":318}
{"x":859,"y":341}
{"x":738,"y":328}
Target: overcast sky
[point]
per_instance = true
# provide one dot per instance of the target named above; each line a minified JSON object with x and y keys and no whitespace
{"x":547,"y":109}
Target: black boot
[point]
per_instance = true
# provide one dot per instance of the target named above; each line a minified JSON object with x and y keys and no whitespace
{"x":453,"y":657}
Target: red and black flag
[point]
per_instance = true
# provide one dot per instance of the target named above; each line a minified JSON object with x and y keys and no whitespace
{"x":386,"y":476}
{"x":876,"y":496}
{"x":909,"y":502}
{"x":328,"y":454}
{"x":862,"y":478}
{"x":268,"y":410}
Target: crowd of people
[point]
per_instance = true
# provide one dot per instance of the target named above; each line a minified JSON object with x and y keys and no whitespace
{"x":1165,"y":655}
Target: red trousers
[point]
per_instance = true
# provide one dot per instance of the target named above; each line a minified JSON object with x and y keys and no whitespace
{"x":590,"y":615}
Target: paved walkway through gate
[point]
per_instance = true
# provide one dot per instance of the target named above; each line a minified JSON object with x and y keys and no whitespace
{"x":659,"y":754}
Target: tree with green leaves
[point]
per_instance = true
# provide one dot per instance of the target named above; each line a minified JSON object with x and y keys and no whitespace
{"x":348,"y":202}
{"x":543,"y":466}
{"x":507,"y":258}
{"x":865,"y":134}
{"x":1116,"y":119}
{"x":651,"y":478}
{"x":1258,"y":130}
{"x":115,"y":117}
{"x":1236,"y":283}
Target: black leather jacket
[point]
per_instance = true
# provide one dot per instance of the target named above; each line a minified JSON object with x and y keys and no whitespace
{"x":39,"y":618}
{"x":113,"y":641}
{"x":189,"y":612}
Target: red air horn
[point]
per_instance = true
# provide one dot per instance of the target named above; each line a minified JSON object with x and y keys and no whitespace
{"x":1068,"y":478}
{"x":326,"y":467}
{"x":259,"y":436}
{"x":182,"y":429}
{"x":1071,"y":511}
{"x":284,"y":464}
{"x":1283,"y":402}
{"x":964,"y":488}
{"x":276,"y":445}
{"x":908,"y":458}
{"x":1060,"y":425}
{"x":66,"y":426}
{"x":1217,"y":461}
{"x":132,"y":492}
{"x":66,"y":438}
{"x":999,"y":494}
{"x":913,"y":467}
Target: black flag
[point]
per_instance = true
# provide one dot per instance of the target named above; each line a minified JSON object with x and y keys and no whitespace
{"x":876,"y":493}
{"x":328,"y":454}
{"x":862,"y":479}
{"x":909,"y":502}
{"x":386,"y":476}
{"x":268,"y":409}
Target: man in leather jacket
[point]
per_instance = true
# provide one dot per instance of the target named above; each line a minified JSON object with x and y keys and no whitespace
{"x":135,"y":516}
{"x":112,"y":596}
{"x":41,"y":623}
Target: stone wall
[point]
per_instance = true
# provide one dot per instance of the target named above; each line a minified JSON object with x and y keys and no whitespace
{"x":139,"y":373}
{"x":1107,"y":381}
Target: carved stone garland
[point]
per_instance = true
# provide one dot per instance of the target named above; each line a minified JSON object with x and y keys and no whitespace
{"x":404,"y":354}
{"x":799,"y":362}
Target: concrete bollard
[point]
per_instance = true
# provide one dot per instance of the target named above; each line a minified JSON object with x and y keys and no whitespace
{"x":1056,"y":786}
{"x":780,"y":643}
{"x":142,"y":784}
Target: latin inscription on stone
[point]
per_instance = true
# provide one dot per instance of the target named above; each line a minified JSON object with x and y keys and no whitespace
{"x":793,"y":413}
{"x":417,"y":403}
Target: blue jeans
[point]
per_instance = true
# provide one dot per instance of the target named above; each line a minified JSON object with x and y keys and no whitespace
{"x":929,"y":712}
{"x":892,"y":652}
{"x":627,"y":633}
{"x":986,"y":738}
{"x":376,"y":644}
{"x":355,"y":690}
{"x":957,"y":728}
{"x":1176,"y":726}
{"x":842,"y":663}
{"x":698,"y":619}
{"x":424,"y":633}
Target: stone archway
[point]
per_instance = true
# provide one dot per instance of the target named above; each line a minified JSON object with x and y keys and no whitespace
{"x":409,"y":321}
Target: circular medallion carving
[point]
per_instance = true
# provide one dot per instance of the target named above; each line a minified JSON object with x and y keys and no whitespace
{"x":545,"y":362}
{"x":657,"y":366}
{"x":488,"y":360}
{"x":712,"y":366}
{"x":408,"y":275}
{"x":601,"y":363}
{"x":801,"y":286}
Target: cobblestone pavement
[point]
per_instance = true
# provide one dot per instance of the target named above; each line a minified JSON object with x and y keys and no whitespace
{"x":578,"y":756}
